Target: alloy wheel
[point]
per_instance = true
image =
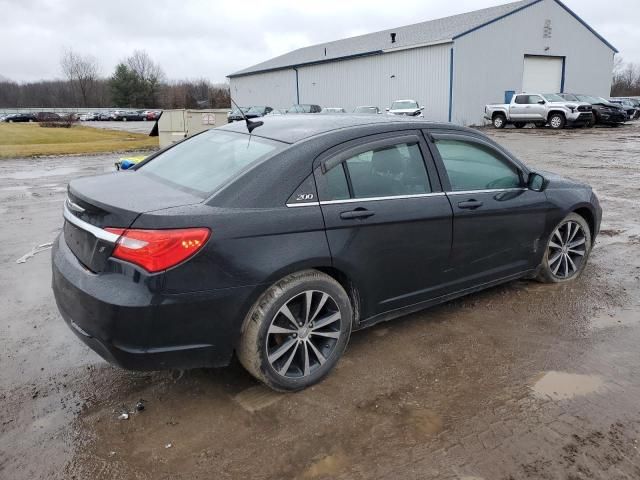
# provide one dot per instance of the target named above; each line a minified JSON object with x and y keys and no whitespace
{"x":556,"y":122}
{"x":303,"y":334}
{"x":567,"y":249}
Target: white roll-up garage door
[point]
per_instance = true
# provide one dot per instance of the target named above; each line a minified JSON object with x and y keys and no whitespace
{"x":542,"y":74}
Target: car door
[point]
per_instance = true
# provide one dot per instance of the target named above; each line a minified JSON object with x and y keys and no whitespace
{"x":497,"y":221}
{"x":388,"y":222}
{"x":518,"y":109}
{"x":536,"y":109}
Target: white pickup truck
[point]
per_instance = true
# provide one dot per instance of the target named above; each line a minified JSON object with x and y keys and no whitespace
{"x":540,"y":109}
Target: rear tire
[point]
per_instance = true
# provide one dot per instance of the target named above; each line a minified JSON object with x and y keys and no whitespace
{"x":557,"y":121}
{"x":296,"y":331}
{"x":499,"y":121}
{"x":567,"y":251}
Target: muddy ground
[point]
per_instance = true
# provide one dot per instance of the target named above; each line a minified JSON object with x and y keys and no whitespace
{"x":523,"y":381}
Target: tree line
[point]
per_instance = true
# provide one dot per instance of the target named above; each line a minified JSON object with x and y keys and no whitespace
{"x":626,"y":79}
{"x":137,"y":82}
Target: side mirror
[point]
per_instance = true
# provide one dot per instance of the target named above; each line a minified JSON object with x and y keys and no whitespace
{"x":541,"y":102}
{"x":536,"y":182}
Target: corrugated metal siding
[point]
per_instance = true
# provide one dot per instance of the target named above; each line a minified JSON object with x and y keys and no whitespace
{"x":421,"y":74}
{"x":274,"y":89}
{"x":490,"y":60}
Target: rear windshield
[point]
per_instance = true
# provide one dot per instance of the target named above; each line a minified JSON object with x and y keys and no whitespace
{"x":206,"y":161}
{"x":403,"y":105}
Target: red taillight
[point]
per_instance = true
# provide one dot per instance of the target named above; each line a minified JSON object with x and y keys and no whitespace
{"x":156,"y":250}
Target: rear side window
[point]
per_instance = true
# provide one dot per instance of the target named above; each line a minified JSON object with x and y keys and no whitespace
{"x":203,"y":163}
{"x":389,"y":171}
{"x":472,"y":166}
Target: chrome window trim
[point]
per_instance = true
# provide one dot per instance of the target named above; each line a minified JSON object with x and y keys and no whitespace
{"x":398,"y":197}
{"x":87,"y":227}
{"x":492,"y":190}
{"x":375,"y":199}
{"x":303,"y":204}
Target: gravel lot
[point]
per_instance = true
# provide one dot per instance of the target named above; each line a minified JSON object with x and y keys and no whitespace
{"x":524,"y":381}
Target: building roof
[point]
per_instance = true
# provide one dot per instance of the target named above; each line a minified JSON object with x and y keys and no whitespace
{"x":423,"y":33}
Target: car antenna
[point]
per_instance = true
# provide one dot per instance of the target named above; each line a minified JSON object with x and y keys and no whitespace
{"x":250,"y":125}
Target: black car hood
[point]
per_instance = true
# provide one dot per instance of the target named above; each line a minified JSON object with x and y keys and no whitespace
{"x":558,"y":181}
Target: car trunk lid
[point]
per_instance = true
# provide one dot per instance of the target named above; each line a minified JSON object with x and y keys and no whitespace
{"x":112,"y":200}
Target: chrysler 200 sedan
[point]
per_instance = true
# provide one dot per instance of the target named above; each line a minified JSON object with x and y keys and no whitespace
{"x":276,"y":245}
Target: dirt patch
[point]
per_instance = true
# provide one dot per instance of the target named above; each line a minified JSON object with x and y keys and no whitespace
{"x":443,"y":394}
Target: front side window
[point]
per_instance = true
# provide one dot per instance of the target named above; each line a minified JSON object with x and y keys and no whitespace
{"x":533,"y":99}
{"x":389,"y":171}
{"x":205,"y":161}
{"x":472,"y":166}
{"x":553,"y":97}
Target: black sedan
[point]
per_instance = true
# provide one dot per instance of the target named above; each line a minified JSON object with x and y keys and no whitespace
{"x":604,"y":112}
{"x":127,"y":116}
{"x":275,"y":246}
{"x":20,"y":118}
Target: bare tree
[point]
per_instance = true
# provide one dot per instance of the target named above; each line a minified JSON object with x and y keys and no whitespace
{"x":82,"y":74}
{"x":148,"y":75}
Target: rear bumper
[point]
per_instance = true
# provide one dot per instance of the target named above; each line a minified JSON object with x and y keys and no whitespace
{"x":121,"y":317}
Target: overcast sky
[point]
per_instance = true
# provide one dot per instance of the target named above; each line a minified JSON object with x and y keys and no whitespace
{"x":210,"y":39}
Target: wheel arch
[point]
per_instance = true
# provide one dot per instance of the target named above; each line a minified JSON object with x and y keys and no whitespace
{"x":589,"y":216}
{"x":553,"y":112}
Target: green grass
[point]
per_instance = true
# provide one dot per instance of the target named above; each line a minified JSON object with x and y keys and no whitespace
{"x":30,"y":140}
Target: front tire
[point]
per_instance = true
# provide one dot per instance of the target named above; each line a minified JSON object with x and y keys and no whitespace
{"x":567,"y":251}
{"x":296,"y":331}
{"x":499,"y":121}
{"x":557,"y":121}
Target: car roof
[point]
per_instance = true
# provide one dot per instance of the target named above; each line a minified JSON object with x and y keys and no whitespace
{"x":294,"y":128}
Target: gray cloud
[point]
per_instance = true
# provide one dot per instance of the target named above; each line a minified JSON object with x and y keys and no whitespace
{"x":200,"y":38}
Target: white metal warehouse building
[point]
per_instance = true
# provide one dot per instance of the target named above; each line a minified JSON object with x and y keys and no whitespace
{"x":453,"y":66}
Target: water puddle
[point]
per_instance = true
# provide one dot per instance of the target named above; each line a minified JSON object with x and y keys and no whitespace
{"x":617,"y":319}
{"x":36,"y":173}
{"x":423,"y":421}
{"x":256,"y":398}
{"x":329,"y":466}
{"x":563,"y":386}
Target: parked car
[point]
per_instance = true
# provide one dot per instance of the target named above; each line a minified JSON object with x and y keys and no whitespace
{"x":235,"y":115}
{"x":20,"y":118}
{"x":48,"y":117}
{"x":127,"y":115}
{"x":277,"y":111}
{"x":258,"y":111}
{"x":151,"y":114}
{"x":539,"y":109}
{"x":333,"y":110}
{"x":367,"y":109}
{"x":626,"y":105}
{"x":275,"y":246}
{"x":603,"y":112}
{"x":636,"y":103}
{"x":409,"y":108}
{"x":304,"y":108}
{"x":104,"y":116}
